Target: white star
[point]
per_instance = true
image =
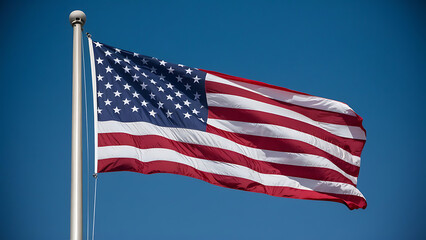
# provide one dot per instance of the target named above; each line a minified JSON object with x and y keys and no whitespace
{"x":153,"y":81}
{"x":107,"y":102}
{"x":135,"y":109}
{"x":152,"y":113}
{"x":99,"y":111}
{"x":187,"y":115}
{"x":196,"y":79}
{"x":126,"y":69}
{"x":117,"y":50}
{"x":136,"y":67}
{"x":181,"y":65}
{"x":196,"y":96}
{"x":153,"y":70}
{"x":152,"y":95}
{"x":98,"y":44}
{"x":144,"y":61}
{"x":100,"y":77}
{"x":162,"y":77}
{"x":135,"y":77}
{"x":163,"y":63}
{"x":169,"y":85}
{"x":194,"y":111}
{"x":108,"y":85}
{"x":178,"y":94}
{"x":127,"y":60}
{"x":160,"y":89}
{"x":117,"y":93}
{"x":144,"y":74}
{"x":187,"y":87}
{"x":179,"y":78}
{"x":170,"y":69}
{"x":117,"y":110}
{"x":143,"y":85}
{"x":126,"y":101}
{"x":201,"y":119}
{"x":116,"y":60}
{"x":108,"y":69}
{"x":178,"y":106}
{"x":135,"y":54}
{"x":186,"y":102}
{"x":169,"y":97}
{"x":160,"y":104}
{"x":117,"y":78}
{"x":99,"y":60}
{"x":107,"y":53}
{"x":188,"y":71}
{"x":127,"y":86}
{"x":136,"y":94}
{"x":169,"y":114}
{"x":144,"y":103}
{"x":100,"y":94}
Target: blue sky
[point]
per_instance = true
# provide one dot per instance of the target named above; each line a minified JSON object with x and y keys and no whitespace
{"x":368,"y":54}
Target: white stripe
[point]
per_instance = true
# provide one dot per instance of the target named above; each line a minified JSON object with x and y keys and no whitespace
{"x":95,"y":103}
{"x":212,"y":140}
{"x":286,"y":96}
{"x":238,"y":102}
{"x":274,"y":131}
{"x":226,"y":169}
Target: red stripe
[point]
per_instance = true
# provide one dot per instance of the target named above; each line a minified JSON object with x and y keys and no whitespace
{"x":353,"y":146}
{"x":134,"y":165}
{"x":314,"y":114}
{"x":229,"y":77}
{"x":283,"y":145}
{"x":222,"y":155}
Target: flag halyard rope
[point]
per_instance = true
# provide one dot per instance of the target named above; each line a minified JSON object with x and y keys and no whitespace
{"x":88,"y":35}
{"x":87,"y":143}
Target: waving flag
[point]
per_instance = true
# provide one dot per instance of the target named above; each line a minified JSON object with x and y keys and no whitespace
{"x":153,"y":116}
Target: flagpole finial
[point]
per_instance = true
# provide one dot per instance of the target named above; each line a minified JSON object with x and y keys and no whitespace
{"x":77,"y":17}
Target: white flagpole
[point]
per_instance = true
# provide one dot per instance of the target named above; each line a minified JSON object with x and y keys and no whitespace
{"x":77,"y":19}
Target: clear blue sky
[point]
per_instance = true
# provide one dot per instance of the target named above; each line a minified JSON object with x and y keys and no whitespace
{"x":368,"y":54}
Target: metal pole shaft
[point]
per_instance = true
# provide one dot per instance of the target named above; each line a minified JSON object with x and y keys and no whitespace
{"x":76,"y":219}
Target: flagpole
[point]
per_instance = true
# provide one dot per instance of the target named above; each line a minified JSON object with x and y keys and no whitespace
{"x":77,"y":20}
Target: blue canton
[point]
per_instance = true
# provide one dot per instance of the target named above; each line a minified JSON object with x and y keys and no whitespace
{"x":133,"y":87}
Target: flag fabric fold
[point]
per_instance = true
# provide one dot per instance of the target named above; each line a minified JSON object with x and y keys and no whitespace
{"x":153,"y":116}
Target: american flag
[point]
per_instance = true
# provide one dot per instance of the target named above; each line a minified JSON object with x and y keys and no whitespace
{"x":153,"y":116}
